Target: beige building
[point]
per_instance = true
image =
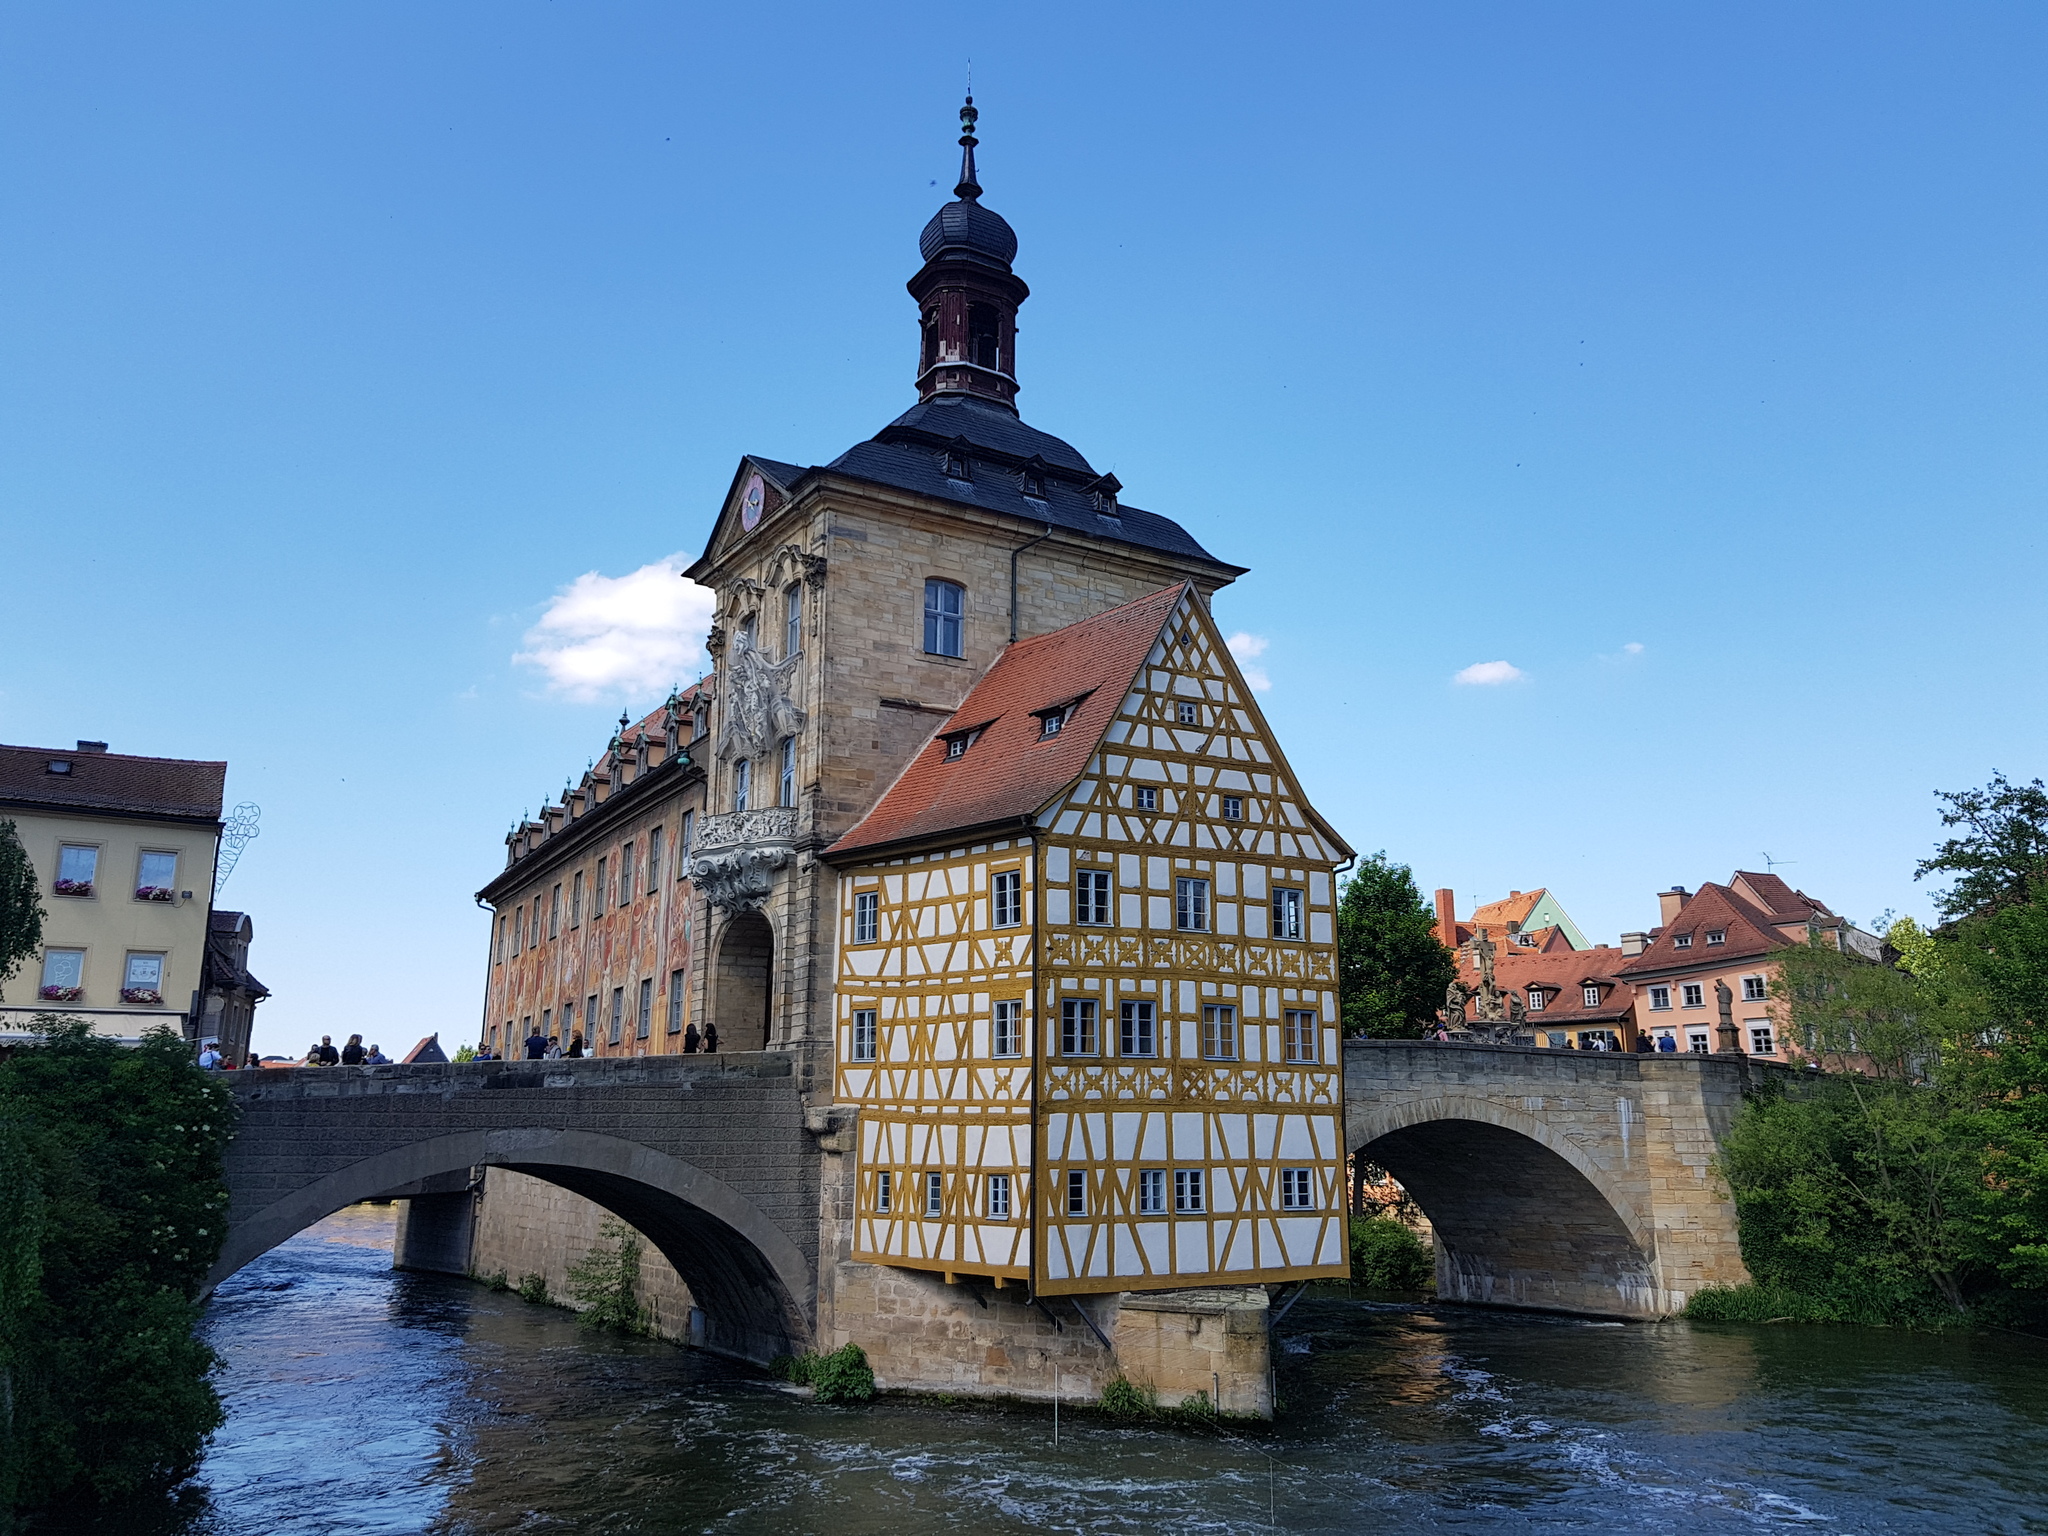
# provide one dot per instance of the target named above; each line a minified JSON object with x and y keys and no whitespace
{"x":124,"y":850}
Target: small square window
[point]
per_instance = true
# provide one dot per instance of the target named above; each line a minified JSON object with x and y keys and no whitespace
{"x":1219,"y":1033}
{"x":1717,"y":935}
{"x":956,"y":746}
{"x":866,"y":907}
{"x":63,"y":975}
{"x":1592,"y":996}
{"x":885,"y":1183}
{"x":1297,"y":1189}
{"x":1760,"y":1040}
{"x":156,"y":877}
{"x":1301,"y":1035}
{"x":1077,"y":1192}
{"x":863,"y":1034}
{"x":1152,"y":1192}
{"x":1091,"y":898}
{"x":1535,"y":999}
{"x":1233,"y":808}
{"x":1191,"y":905}
{"x":999,"y":1197}
{"x":1137,"y":1032}
{"x":1557,"y":1039}
{"x":1754,"y":990}
{"x":1694,"y":994}
{"x":1682,"y":941}
{"x":1008,"y":892}
{"x":1185,"y":713}
{"x":1078,"y":1026}
{"x":1660,"y":997}
{"x":1147,"y":799}
{"x":142,"y":979}
{"x":1052,"y":722}
{"x":935,"y":1194}
{"x":77,"y":868}
{"x":1187,"y":1192}
{"x":1007,"y":1027}
{"x":1286,"y":912}
{"x":1696,"y":1042}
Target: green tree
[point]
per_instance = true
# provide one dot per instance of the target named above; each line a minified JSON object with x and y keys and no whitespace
{"x":2004,"y":852}
{"x":114,"y":1212}
{"x":1391,"y":971}
{"x":21,"y":904}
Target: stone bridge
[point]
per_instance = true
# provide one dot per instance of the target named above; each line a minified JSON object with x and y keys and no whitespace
{"x":704,"y":1155}
{"x":1573,"y":1180}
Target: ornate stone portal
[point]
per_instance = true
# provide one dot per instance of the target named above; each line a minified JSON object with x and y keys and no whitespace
{"x":737,"y":857}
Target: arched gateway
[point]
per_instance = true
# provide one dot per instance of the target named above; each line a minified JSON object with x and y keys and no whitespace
{"x":707,"y":1157}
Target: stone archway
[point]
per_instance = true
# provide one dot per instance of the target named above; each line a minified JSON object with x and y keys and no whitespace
{"x":742,"y":986}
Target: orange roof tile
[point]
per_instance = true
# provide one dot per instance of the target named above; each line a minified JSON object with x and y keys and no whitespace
{"x":1749,"y":931}
{"x":1011,"y":769}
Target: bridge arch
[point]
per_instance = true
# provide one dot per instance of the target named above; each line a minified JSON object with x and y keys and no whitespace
{"x":1523,"y":1215}
{"x":746,"y":1275}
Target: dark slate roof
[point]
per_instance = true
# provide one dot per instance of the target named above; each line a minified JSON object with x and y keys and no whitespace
{"x":910,"y":454}
{"x":110,"y":781}
{"x":964,"y":225}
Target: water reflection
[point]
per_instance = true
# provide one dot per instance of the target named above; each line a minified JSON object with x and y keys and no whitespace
{"x":367,"y":1401}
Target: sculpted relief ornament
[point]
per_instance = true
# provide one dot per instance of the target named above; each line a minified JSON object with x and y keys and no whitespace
{"x":738,"y":854}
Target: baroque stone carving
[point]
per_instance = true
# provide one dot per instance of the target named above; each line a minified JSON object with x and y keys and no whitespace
{"x":757,"y":708}
{"x":795,"y":558}
{"x":737,"y":857}
{"x":1488,"y":995}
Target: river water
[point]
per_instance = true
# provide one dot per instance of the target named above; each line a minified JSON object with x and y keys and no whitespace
{"x":361,"y":1400}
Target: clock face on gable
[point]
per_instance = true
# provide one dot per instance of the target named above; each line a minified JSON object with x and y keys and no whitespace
{"x":750,"y":503}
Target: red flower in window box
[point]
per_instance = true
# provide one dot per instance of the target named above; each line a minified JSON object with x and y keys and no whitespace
{"x":153,"y":893}
{"x":148,"y":995}
{"x":74,"y":887}
{"x":61,"y":994}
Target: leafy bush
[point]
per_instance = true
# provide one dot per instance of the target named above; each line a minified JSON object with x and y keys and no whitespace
{"x":113,"y":1212}
{"x":606,"y":1281}
{"x":534,"y":1288}
{"x":843,"y":1376}
{"x":1387,"y":1255}
{"x":1124,"y":1399}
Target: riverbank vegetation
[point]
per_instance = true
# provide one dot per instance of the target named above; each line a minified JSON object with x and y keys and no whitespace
{"x":112,"y":1211}
{"x":1386,"y":1255}
{"x":605,"y":1282}
{"x":843,"y":1376}
{"x":1906,"y":1182}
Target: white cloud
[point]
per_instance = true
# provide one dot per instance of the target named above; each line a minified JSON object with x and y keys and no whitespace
{"x":622,"y":635}
{"x":1248,"y":649}
{"x":1634,"y":648}
{"x":1487,"y":674}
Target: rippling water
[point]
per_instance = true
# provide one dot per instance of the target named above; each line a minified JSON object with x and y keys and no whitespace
{"x":366,"y":1401}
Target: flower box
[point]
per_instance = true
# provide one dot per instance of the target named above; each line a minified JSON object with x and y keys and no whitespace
{"x":148,"y":995}
{"x":61,"y":994}
{"x":153,"y":893}
{"x":74,"y":887}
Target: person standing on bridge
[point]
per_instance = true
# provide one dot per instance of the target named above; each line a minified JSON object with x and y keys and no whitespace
{"x":692,"y":1041}
{"x":353,"y":1053}
{"x":711,"y":1039}
{"x":536,"y":1046}
{"x":576,"y":1046}
{"x":376,"y":1058}
{"x":326,"y":1054}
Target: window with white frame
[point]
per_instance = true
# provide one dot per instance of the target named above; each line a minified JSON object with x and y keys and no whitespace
{"x":63,"y":974}
{"x":1683,"y":941}
{"x":866,"y":916}
{"x":742,"y":783}
{"x":999,"y":1197}
{"x":1233,"y":808}
{"x":1535,"y":999}
{"x":504,"y":926}
{"x":1091,"y":898}
{"x":597,"y":901}
{"x":1007,"y":893}
{"x":675,"y":1003}
{"x":1286,"y":912}
{"x":1717,"y":935}
{"x":156,"y":877}
{"x":1693,"y":994}
{"x":518,"y":929}
{"x":1191,"y":905}
{"x":885,"y":1189}
{"x":576,"y":899}
{"x":653,"y":862}
{"x":1760,"y":1039}
{"x":792,"y":619}
{"x":1077,"y":1192}
{"x":786,"y":784}
{"x":1660,"y":997}
{"x":935,"y":1194}
{"x":1185,"y":713}
{"x":1146,"y":798}
{"x":78,"y":867}
{"x":1592,"y":996}
{"x":644,"y":1021}
{"x":1696,"y":1042}
{"x":1007,"y":1027}
{"x":1219,"y":1032}
{"x":1078,"y":1027}
{"x":945,"y":603}
{"x":1297,"y":1189}
{"x":1754,"y":990}
{"x":863,"y":1034}
{"x":1052,"y":722}
{"x":1151,"y":1191}
{"x":689,"y":841}
{"x":1302,"y":1027}
{"x":625,"y":874}
{"x":1137,"y":1028}
{"x":142,"y":977}
{"x":1188,"y":1194}
{"x":618,"y":1014}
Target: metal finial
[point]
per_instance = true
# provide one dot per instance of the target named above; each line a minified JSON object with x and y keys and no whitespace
{"x":968,"y":187}
{"x":624,"y":721}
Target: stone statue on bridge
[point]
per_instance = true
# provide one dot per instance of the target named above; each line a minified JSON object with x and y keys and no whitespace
{"x":1490,"y":1010}
{"x":1730,"y":1042}
{"x":1456,"y":995}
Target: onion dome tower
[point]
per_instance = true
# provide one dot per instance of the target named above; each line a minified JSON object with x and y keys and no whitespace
{"x":967,"y":296}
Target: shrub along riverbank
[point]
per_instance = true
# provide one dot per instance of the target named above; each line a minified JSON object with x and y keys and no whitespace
{"x":112,"y":1208}
{"x":1906,"y":1184}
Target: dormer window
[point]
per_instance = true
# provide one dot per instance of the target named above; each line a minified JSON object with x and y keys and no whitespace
{"x":1535,"y":999}
{"x":1592,"y":995}
{"x":1682,"y":941}
{"x":1717,"y":935}
{"x":958,"y":465}
{"x":1032,"y":478}
{"x":958,"y":742}
{"x":1052,"y":722}
{"x":1103,"y":493}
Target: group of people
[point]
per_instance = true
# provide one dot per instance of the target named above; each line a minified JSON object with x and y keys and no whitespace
{"x":213,"y":1059}
{"x":354,"y":1054}
{"x":541,"y":1047}
{"x":1591,"y":1040}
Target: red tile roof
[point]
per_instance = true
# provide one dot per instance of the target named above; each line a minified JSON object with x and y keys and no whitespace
{"x":1011,"y":770}
{"x":1563,"y":975}
{"x":1775,"y":897}
{"x":111,"y":781}
{"x":1496,"y":915}
{"x":1750,"y":930}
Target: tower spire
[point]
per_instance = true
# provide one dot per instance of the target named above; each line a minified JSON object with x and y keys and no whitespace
{"x":968,"y":186}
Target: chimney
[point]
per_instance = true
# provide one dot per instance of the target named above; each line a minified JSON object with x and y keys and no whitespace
{"x":92,"y":746}
{"x":1671,"y":902}
{"x":1513,"y":894}
{"x":1447,"y":919}
{"x":1634,"y":943}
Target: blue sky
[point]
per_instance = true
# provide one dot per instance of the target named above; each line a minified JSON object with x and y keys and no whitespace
{"x":1687,"y":358}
